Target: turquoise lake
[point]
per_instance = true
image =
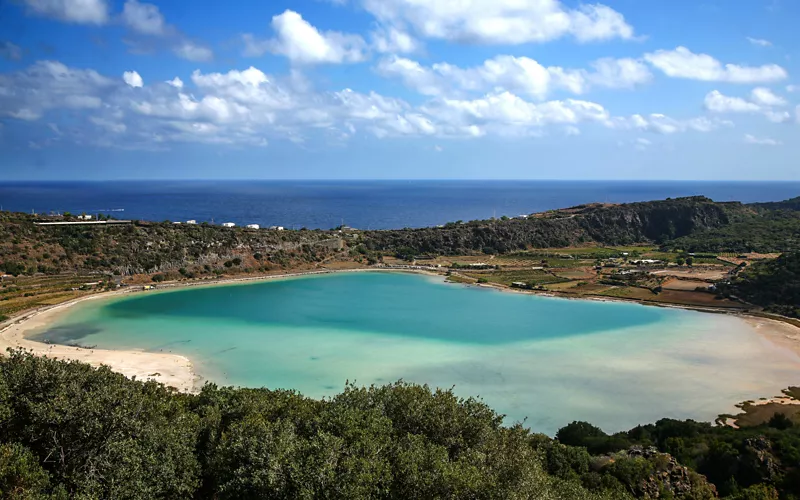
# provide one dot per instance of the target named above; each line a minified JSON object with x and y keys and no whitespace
{"x":547,"y":360}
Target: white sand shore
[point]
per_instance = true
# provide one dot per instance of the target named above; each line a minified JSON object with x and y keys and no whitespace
{"x":169,"y":369}
{"x":779,"y":333}
{"x":176,"y":371}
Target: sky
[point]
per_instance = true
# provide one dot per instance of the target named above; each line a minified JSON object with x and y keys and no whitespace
{"x":399,"y":89}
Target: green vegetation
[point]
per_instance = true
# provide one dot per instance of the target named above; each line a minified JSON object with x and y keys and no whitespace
{"x":766,"y":232}
{"x":773,"y":284}
{"x":758,"y":462}
{"x":68,"y":430}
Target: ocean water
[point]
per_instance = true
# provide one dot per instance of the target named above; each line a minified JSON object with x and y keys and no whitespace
{"x":360,"y":204}
{"x":543,"y":360}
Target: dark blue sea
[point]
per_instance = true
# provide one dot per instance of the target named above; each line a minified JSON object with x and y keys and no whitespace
{"x":360,"y":204}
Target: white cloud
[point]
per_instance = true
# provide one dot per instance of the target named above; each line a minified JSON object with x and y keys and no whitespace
{"x":619,"y":73}
{"x":395,"y":41}
{"x":717,"y":102}
{"x":302,"y":43}
{"x":502,"y":21}
{"x":507,"y":114}
{"x":47,"y":85}
{"x":766,"y":141}
{"x":759,"y":42}
{"x":133,"y":79}
{"x":515,"y":74}
{"x":192,"y":52}
{"x":765,"y":97}
{"x":73,"y":11}
{"x":175,"y":82}
{"x":114,"y":126}
{"x":661,"y":124}
{"x":249,"y":107}
{"x":143,"y":18}
{"x":792,"y":88}
{"x":683,"y":63}
{"x":778,"y":116}
{"x":10,"y":51}
{"x":762,"y":100}
{"x":438,"y":148}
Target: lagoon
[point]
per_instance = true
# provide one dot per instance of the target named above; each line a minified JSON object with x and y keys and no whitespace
{"x":547,"y":361}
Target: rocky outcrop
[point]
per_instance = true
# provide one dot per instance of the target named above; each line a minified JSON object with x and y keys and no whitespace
{"x":663,"y":476}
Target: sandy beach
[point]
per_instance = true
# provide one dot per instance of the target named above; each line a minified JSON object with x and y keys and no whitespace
{"x":170,"y":369}
{"x":176,"y":370}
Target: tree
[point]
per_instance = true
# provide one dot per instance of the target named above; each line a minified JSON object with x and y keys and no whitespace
{"x":689,"y":261}
{"x":680,"y":261}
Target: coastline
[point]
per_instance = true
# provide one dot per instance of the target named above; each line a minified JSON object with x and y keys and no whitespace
{"x":177,"y":371}
{"x":172,"y":370}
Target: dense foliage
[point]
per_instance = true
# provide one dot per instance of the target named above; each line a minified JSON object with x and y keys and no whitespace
{"x":68,"y":430}
{"x":773,"y":284}
{"x":71,"y":431}
{"x":763,"y":233}
{"x":750,"y":463}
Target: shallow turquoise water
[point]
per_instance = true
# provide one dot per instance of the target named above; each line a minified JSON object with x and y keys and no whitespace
{"x":545,"y":359}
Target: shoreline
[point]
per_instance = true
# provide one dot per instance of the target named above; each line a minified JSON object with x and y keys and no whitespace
{"x":174,"y":370}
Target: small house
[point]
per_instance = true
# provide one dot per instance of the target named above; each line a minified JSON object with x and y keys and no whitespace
{"x":253,"y":226}
{"x":84,"y":217}
{"x":228,"y":224}
{"x":191,"y":222}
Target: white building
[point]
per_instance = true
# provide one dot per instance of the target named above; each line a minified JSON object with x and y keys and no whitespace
{"x":228,"y":224}
{"x":253,"y":226}
{"x":276,"y":228}
{"x":177,"y":223}
{"x":84,"y":217}
{"x":192,"y":222}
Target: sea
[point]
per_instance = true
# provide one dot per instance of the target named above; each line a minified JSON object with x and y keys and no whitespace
{"x":359,"y":204}
{"x":542,"y":361}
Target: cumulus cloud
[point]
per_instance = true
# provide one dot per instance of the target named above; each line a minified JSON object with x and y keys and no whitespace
{"x":393,"y":40}
{"x":619,"y":73}
{"x":143,"y":18}
{"x":683,"y":63}
{"x":47,"y":85}
{"x":760,"y":42}
{"x":147,"y":22}
{"x":761,"y":141}
{"x":778,"y":116}
{"x":249,"y":107}
{"x":10,"y":51}
{"x":661,"y":124}
{"x":515,"y":74}
{"x":717,"y":102}
{"x":502,"y":21}
{"x":73,"y":11}
{"x":765,"y":97}
{"x":302,"y":43}
{"x":175,"y":82}
{"x":762,"y":100}
{"x":192,"y":52}
{"x":133,"y":79}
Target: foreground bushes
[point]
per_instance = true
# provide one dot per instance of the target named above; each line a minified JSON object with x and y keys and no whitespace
{"x":71,"y":431}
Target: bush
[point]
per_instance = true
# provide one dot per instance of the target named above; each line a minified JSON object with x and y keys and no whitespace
{"x":158,"y":278}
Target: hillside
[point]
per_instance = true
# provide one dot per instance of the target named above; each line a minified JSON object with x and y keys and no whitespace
{"x":691,"y":224}
{"x":772,"y":284}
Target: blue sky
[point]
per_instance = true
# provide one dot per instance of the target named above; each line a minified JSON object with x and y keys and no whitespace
{"x":330,"y":89}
